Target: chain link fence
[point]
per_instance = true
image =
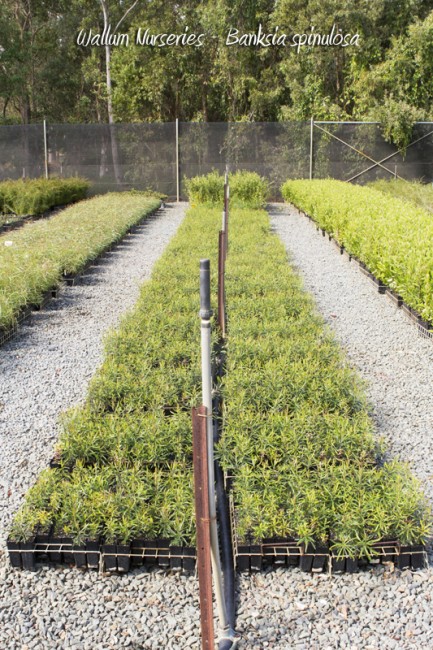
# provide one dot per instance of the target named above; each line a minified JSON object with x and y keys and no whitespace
{"x":160,"y":156}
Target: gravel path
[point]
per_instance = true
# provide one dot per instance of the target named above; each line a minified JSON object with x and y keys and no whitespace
{"x":63,"y":608}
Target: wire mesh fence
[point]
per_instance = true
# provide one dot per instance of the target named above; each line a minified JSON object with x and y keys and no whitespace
{"x":160,"y":156}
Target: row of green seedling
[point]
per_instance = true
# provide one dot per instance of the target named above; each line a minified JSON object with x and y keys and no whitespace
{"x":393,"y":238}
{"x":122,"y":474}
{"x":424,"y":327}
{"x":297,"y":444}
{"x":26,"y":197}
{"x":35,"y":259}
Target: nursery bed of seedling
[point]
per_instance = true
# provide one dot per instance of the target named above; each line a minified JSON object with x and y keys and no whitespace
{"x":297,"y":441}
{"x":424,"y":328}
{"x":43,"y":255}
{"x":9,"y":222}
{"x":118,"y":558}
{"x":26,"y":197}
{"x":420,"y":194}
{"x":123,"y":468}
{"x":279,"y":552}
{"x":69,"y":280}
{"x":391,"y":239}
{"x":308,"y":478}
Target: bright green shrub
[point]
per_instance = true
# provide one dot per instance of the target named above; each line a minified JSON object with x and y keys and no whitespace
{"x":246,"y":189}
{"x":393,"y":238}
{"x":30,"y":197}
{"x":34,"y":258}
{"x":421,"y":194}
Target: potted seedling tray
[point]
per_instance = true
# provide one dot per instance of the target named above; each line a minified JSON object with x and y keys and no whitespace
{"x":92,"y":554}
{"x":68,"y":278}
{"x":316,"y":559}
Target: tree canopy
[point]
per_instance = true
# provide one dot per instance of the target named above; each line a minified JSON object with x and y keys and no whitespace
{"x":388,"y":77}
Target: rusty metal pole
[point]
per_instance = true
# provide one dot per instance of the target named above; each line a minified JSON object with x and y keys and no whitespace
{"x":201,"y":495}
{"x":226,"y":211}
{"x":311,"y":147}
{"x":221,"y":285}
{"x":205,"y":316}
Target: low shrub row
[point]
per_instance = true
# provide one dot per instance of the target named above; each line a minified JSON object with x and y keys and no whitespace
{"x":246,"y":189}
{"x":296,"y":435}
{"x":34,"y":258}
{"x":421,"y":194}
{"x":30,"y":197}
{"x":124,"y":460}
{"x":393,"y":238}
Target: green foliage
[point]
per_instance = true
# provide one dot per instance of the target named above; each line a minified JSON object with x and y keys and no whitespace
{"x":34,"y":258}
{"x":296,"y":435}
{"x":395,"y":91}
{"x":44,"y":74}
{"x":126,"y":455}
{"x":30,"y":197}
{"x":420,"y":194}
{"x":246,"y":189}
{"x":394,"y":239}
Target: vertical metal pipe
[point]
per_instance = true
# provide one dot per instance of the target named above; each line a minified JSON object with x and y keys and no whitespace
{"x":221,"y":289}
{"x":177,"y":162}
{"x":311,"y":147}
{"x":201,"y":497}
{"x":46,"y":149}
{"x":205,"y":316}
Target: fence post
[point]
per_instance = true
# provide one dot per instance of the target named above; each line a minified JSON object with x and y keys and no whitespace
{"x":201,"y":496}
{"x":311,"y":147}
{"x":177,"y":162}
{"x":46,"y":150}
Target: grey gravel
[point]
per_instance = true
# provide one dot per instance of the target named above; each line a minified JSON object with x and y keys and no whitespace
{"x":282,"y":609}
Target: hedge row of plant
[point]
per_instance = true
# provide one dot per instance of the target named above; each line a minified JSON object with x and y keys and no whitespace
{"x":30,"y":197}
{"x":125,"y":457}
{"x":247,"y":189}
{"x":34,"y":258}
{"x":296,"y":436}
{"x":392,"y":237}
{"x":421,"y":194}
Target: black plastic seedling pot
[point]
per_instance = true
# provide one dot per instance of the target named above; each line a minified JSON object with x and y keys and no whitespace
{"x":417,"y":557}
{"x":110,"y":558}
{"x":256,"y":557}
{"x":243,"y":558}
{"x":320,"y":559}
{"x":54,"y":553}
{"x":123,"y":557}
{"x":28,"y":558}
{"x":79,"y":553}
{"x":176,"y":558}
{"x":338,"y":565}
{"x":188,"y":560}
{"x":14,"y":554}
{"x":92,"y":553}
{"x":137,"y":546}
{"x":351,"y":565}
{"x":163,"y":546}
{"x":394,"y":297}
